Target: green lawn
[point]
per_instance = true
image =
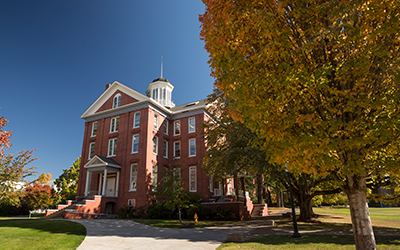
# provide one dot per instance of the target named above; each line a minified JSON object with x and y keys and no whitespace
{"x":309,"y":242}
{"x":40,"y":234}
{"x":177,"y":224}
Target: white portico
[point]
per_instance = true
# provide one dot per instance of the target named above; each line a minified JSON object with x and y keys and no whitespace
{"x":109,"y":174}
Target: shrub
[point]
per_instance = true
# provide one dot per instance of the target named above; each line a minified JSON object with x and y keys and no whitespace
{"x":159,"y":210}
{"x":126,"y":212}
{"x":222,"y":213}
{"x":203,"y":212}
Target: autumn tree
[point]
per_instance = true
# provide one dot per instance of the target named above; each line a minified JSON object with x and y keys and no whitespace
{"x":67,"y":182}
{"x":4,"y":136}
{"x":319,"y":80}
{"x":38,"y":196}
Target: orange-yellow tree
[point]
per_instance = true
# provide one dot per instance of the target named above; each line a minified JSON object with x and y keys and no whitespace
{"x":319,"y":80}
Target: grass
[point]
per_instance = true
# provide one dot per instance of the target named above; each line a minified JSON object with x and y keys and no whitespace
{"x":177,"y":224}
{"x":309,"y":242}
{"x":40,"y":234}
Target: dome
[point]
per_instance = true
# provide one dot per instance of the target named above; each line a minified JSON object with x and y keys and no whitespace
{"x":160,"y":79}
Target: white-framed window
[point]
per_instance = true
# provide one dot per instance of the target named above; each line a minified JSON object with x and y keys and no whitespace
{"x":192,"y":179}
{"x":155,"y":144}
{"x":165,"y":154}
{"x":166,"y":126}
{"x":192,"y":147}
{"x":192,"y":126}
{"x":177,"y":127}
{"x":117,"y":101}
{"x":154,"y":178}
{"x":177,"y":149}
{"x":94,"y":129}
{"x":155,"y":121}
{"x":114,"y":124}
{"x":91,"y":150}
{"x":136,"y":120}
{"x":135,"y":143}
{"x":131,"y":202}
{"x":133,"y":183}
{"x":112,"y":147}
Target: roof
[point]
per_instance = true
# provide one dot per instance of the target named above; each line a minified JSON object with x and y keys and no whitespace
{"x":190,"y":105}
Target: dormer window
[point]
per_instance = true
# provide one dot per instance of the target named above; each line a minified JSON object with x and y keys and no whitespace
{"x":117,"y":101}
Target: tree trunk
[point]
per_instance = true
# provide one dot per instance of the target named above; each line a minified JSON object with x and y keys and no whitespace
{"x":260,"y":189}
{"x":179,"y":214}
{"x":306,"y":211}
{"x":356,"y":190}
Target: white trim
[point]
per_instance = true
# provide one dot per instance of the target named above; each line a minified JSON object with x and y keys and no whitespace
{"x":194,"y":125}
{"x":166,"y":126}
{"x":90,"y":150}
{"x":180,"y":128}
{"x":118,"y":104}
{"x":192,"y":169}
{"x":155,"y":121}
{"x":155,"y":143}
{"x":134,"y":119}
{"x":165,"y":149}
{"x":133,"y":143}
{"x":112,"y":141}
{"x":114,"y":124}
{"x":130,"y":179}
{"x":180,"y":150}
{"x":192,"y":155}
{"x":94,"y":135}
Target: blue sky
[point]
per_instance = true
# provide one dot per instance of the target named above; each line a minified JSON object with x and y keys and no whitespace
{"x":57,"y":57}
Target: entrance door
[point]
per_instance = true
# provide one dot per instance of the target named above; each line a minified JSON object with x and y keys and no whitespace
{"x":110,"y":186}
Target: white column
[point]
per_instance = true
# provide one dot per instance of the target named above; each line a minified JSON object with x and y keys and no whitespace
{"x":100,"y":180}
{"x":104,"y":182}
{"x":87,"y":183}
{"x":116,"y":186}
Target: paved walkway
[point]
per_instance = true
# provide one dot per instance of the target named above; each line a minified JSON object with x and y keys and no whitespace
{"x":127,"y":234}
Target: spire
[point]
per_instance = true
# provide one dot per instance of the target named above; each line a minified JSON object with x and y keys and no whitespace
{"x":161,"y":66}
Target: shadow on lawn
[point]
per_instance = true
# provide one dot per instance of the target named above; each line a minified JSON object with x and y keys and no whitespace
{"x":53,"y":226}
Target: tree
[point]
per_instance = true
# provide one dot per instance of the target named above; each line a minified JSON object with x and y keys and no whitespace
{"x":13,"y":171}
{"x":67,"y":182}
{"x":319,"y":80}
{"x":43,"y":178}
{"x":38,"y":196}
{"x":170,"y":189}
{"x":4,"y":136}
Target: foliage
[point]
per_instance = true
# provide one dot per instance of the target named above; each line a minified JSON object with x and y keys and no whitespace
{"x":222,"y":213}
{"x":319,"y":80}
{"x":67,"y":182}
{"x":126,"y":212}
{"x":13,"y":171}
{"x":4,"y":136}
{"x":43,"y":178}
{"x":203,"y":212}
{"x":159,"y":210}
{"x":170,"y":190}
{"x":10,"y":210}
{"x":38,"y":196}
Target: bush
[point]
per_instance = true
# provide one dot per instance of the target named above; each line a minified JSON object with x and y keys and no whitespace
{"x":222,"y":213}
{"x":158,"y":210}
{"x":126,"y":212}
{"x":203,"y":212}
{"x":9,"y":210}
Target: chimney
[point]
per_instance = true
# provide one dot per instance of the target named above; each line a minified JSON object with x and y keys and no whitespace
{"x":107,"y":86}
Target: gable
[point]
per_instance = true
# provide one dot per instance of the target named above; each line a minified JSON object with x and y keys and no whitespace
{"x":125,"y":99}
{"x":104,"y":102}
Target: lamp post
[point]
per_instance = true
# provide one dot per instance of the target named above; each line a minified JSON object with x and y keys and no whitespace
{"x":296,"y":231}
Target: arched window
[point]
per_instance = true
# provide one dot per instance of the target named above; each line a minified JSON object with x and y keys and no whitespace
{"x":117,"y":101}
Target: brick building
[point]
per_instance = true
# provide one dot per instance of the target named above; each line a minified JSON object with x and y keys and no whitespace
{"x":130,"y":138}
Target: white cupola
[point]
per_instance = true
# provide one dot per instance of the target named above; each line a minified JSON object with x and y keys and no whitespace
{"x":161,"y":92}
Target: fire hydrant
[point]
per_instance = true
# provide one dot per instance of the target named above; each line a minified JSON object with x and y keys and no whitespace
{"x":195,"y":218}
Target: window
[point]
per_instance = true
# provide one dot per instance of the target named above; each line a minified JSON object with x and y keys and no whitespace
{"x":133,"y":184}
{"x":177,"y":149}
{"x":112,"y":147}
{"x":135,"y":144}
{"x":136,"y":120}
{"x":165,"y":149}
{"x":91,"y":150}
{"x":192,"y":147}
{"x":155,"y":121}
{"x":192,"y":127}
{"x":155,"y":144}
{"x":114,"y":124}
{"x":192,"y":179}
{"x":94,"y":129}
{"x":166,"y":126}
{"x":117,"y":101}
{"x":131,"y":202}
{"x":154,"y":178}
{"x":177,"y":127}
{"x":211,"y":184}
